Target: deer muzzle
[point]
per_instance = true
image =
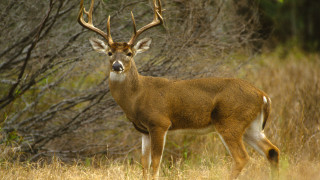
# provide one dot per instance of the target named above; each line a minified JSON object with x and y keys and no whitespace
{"x":117,"y":66}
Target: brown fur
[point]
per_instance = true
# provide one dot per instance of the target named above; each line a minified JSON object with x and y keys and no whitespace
{"x":120,"y":47}
{"x":155,"y":105}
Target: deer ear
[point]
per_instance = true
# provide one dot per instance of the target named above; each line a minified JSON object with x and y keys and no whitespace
{"x":98,"y":45}
{"x":142,"y":45}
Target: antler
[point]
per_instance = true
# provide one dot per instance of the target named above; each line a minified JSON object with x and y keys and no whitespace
{"x":157,"y":20}
{"x":89,"y":24}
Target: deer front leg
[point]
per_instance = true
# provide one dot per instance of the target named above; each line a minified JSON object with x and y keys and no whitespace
{"x":158,"y":138}
{"x":146,"y":154}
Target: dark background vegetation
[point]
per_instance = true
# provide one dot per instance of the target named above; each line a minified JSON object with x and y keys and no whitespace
{"x":54,"y":96}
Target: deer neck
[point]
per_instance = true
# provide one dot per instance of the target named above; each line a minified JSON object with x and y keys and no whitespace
{"x":124,"y":87}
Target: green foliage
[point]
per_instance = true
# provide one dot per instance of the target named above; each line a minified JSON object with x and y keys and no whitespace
{"x":88,"y":162}
{"x":12,"y":138}
{"x":294,"y":19}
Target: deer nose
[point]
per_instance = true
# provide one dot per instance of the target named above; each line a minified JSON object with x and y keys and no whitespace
{"x":117,"y":66}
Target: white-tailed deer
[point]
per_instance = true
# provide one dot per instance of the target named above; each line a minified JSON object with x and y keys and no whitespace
{"x":235,"y":109}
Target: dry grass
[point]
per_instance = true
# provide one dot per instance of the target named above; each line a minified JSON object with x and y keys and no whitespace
{"x":293,"y":83}
{"x":256,"y":169}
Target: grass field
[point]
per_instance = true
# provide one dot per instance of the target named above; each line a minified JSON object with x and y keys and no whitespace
{"x":292,"y":81}
{"x":257,"y":168}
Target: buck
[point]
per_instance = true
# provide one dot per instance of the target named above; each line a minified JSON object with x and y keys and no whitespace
{"x":233,"y":108}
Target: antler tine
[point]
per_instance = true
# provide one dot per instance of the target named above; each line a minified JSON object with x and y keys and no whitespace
{"x":110,"y":41}
{"x":159,"y":8}
{"x":89,"y":14}
{"x":89,"y":24}
{"x":157,"y":20}
{"x":134,"y":24}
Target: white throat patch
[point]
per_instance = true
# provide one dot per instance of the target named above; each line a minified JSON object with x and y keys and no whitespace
{"x":117,"y":76}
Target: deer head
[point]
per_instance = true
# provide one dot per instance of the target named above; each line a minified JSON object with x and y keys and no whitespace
{"x":120,"y":53}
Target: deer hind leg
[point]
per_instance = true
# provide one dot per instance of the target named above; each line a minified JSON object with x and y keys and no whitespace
{"x":158,"y":138}
{"x":232,"y":139}
{"x":256,"y":138}
{"x":146,"y":154}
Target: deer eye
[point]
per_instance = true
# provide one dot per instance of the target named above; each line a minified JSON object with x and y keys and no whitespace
{"x":110,"y":53}
{"x":129,"y":54}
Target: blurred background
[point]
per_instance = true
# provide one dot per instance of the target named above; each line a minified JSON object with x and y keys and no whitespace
{"x":54,"y":95}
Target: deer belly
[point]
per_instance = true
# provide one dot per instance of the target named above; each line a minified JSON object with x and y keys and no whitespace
{"x":195,"y":131}
{"x":192,"y":122}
